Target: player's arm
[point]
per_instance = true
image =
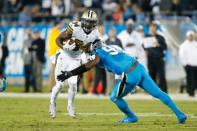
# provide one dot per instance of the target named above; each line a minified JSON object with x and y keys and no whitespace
{"x":79,"y":70}
{"x":64,"y":36}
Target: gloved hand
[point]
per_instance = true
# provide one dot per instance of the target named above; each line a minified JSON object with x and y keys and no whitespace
{"x":64,"y":75}
{"x":91,"y":57}
{"x":68,"y":46}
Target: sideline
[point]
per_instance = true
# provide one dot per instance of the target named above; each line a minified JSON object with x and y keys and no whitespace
{"x":139,"y":96}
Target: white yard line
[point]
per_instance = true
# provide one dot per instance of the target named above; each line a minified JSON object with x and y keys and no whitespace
{"x":120,"y":114}
{"x":139,"y":96}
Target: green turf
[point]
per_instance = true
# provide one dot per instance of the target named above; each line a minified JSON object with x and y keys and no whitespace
{"x":31,"y":114}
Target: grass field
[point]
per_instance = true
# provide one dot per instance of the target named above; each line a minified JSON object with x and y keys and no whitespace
{"x":31,"y":114}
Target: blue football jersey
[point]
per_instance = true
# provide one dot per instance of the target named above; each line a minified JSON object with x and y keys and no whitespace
{"x":114,"y":59}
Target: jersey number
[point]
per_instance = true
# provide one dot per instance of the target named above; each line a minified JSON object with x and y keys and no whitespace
{"x":110,"y":50}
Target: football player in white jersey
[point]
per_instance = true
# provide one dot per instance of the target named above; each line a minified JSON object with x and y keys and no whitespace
{"x":76,"y":39}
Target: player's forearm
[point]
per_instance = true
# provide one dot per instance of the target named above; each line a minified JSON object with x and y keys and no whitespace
{"x":67,"y":74}
{"x":79,"y":70}
{"x":59,"y":42}
{"x":85,"y":67}
{"x":64,"y":36}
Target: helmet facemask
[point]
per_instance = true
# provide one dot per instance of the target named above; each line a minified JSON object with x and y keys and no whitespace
{"x":88,"y":25}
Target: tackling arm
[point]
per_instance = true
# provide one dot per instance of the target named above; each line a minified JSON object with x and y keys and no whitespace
{"x":79,"y":70}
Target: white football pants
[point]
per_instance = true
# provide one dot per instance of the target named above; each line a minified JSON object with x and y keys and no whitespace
{"x":64,"y":62}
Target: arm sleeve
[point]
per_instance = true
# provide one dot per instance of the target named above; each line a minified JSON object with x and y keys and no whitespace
{"x":85,"y":67}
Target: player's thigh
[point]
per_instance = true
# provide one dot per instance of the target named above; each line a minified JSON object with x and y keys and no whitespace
{"x":133,"y":79}
{"x":149,"y":85}
{"x":74,"y":63}
{"x":62,"y":63}
{"x":73,"y":80}
{"x":120,"y":90}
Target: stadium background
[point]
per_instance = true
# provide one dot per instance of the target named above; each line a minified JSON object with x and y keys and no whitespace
{"x":175,"y":18}
{"x":29,"y":111}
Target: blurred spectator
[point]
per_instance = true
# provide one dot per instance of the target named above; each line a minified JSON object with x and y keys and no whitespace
{"x":1,"y":6}
{"x":109,"y":6}
{"x":176,"y":7}
{"x":46,"y":6}
{"x":185,"y":26}
{"x":145,"y":4}
{"x":27,"y":60}
{"x":30,"y":2}
{"x":128,"y":11}
{"x":25,"y":16}
{"x":38,"y":59}
{"x":57,"y":7}
{"x":118,"y":14}
{"x":113,"y":40}
{"x":188,"y":55}
{"x":13,"y":6}
{"x":87,"y":3}
{"x":3,"y":51}
{"x":36,"y":14}
{"x":68,"y":7}
{"x":140,"y":34}
{"x":141,"y":52}
{"x":128,"y":39}
{"x":100,"y":74}
{"x":35,"y":11}
{"x":92,"y":4}
{"x":189,"y":5}
{"x":139,"y":15}
{"x":155,"y":54}
{"x":155,"y":4}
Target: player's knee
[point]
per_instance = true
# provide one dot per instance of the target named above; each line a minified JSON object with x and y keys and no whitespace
{"x":72,"y":88}
{"x":112,"y":97}
{"x":57,"y":86}
{"x":72,"y":83}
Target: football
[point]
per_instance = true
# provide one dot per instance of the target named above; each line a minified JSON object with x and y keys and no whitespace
{"x":69,"y":41}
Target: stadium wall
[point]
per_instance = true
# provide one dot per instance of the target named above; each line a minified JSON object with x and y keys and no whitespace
{"x":15,"y":39}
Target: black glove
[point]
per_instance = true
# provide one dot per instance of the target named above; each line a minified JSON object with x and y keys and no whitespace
{"x":64,"y":75}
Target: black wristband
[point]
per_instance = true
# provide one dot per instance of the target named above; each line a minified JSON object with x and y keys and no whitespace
{"x":79,"y":70}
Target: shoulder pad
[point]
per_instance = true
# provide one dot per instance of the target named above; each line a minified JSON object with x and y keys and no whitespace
{"x":74,"y":24}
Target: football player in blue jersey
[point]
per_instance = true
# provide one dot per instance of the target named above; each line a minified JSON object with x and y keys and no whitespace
{"x":113,"y":59}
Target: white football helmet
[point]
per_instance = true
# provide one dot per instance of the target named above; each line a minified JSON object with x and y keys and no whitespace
{"x":89,"y":20}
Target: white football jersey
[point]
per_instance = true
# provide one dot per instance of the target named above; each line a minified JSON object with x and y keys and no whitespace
{"x":82,"y":40}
